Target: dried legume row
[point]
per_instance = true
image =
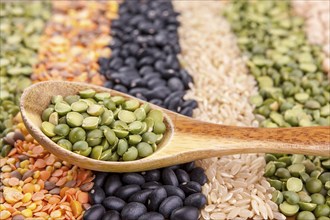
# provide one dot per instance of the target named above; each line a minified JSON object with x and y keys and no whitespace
{"x":317,"y":25}
{"x":103,"y":127}
{"x":21,"y":26}
{"x":144,"y":60}
{"x":296,"y":93}
{"x":236,"y":187}
{"x":74,"y":39}
{"x":34,"y":183}
{"x":293,"y":89}
{"x":170,"y":193}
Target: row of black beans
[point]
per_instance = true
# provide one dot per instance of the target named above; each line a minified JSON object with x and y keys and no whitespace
{"x":171,"y":193}
{"x":144,"y":61}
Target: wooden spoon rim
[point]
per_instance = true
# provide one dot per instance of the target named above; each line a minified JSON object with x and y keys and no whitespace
{"x":50,"y":145}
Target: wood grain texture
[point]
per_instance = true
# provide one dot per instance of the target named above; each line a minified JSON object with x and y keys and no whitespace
{"x":186,"y":139}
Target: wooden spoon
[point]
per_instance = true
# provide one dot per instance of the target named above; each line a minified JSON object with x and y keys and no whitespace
{"x":186,"y":139}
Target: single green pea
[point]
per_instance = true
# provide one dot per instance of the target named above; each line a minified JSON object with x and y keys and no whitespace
{"x":150,"y":124}
{"x":326,"y":164}
{"x":80,"y":146}
{"x":146,"y":107}
{"x":270,"y":157}
{"x":62,"y":120}
{"x":95,"y":110}
{"x":277,"y":197}
{"x":288,"y":210}
{"x":107,"y":117}
{"x":322,"y":210}
{"x":122,"y":147}
{"x":120,"y":133}
{"x":304,"y":196}
{"x":79,"y":106}
{"x":275,"y":183}
{"x":140,"y":114}
{"x":126,"y":116}
{"x":324,"y":177}
{"x":318,"y":198}
{"x":118,"y":100}
{"x":120,"y":125}
{"x":285,"y":159}
{"x":135,"y":127}
{"x":109,"y":135}
{"x":159,"y":127}
{"x":323,"y":218}
{"x":102,"y":96}
{"x":282,"y":173}
{"x":156,"y":115}
{"x":134,"y":139}
{"x":48,"y":129}
{"x":57,"y":138}
{"x":105,"y":144}
{"x":96,"y":152}
{"x":77,"y":134}
{"x":296,"y":169}
{"x":291,"y":197}
{"x":62,"y":108}
{"x":305,"y":215}
{"x":90,"y":123}
{"x":270,"y":169}
{"x":85,"y":153}
{"x":131,"y":105}
{"x":109,"y":104}
{"x":71,"y":99}
{"x":74,"y":119}
{"x":106,"y":155}
{"x":313,"y":185}
{"x":294,"y":184}
{"x":66,"y":144}
{"x":297,"y":158}
{"x":46,"y":113}
{"x":114,"y":157}
{"x":144,"y":149}
{"x":57,"y":98}
{"x":149,"y":137}
{"x":130,"y":154}
{"x":88,"y":93}
{"x":305,"y":206}
{"x":53,"y":118}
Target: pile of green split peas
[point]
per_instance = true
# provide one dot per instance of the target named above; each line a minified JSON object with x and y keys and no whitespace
{"x":103,"y":127}
{"x":21,"y":26}
{"x":293,"y":91}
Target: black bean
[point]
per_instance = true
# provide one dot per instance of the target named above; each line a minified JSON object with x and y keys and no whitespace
{"x":197,"y":200}
{"x":198,"y":175}
{"x":169,"y":204}
{"x":151,"y":216}
{"x":155,"y":82}
{"x":185,"y":213}
{"x":188,"y":166}
{"x":190,"y":103}
{"x":155,"y":198}
{"x":140,"y":196}
{"x":138,"y":82}
{"x":133,"y":178}
{"x":133,"y":211}
{"x":174,"y":167}
{"x":169,"y":177}
{"x":172,"y":96}
{"x":146,"y":69}
{"x":108,"y":84}
{"x":191,"y":187}
{"x":182,"y":176}
{"x":120,"y":88}
{"x":114,"y":203}
{"x":94,"y":212}
{"x":112,"y":184}
{"x":125,"y":192}
{"x":151,"y":185}
{"x":175,"y":84}
{"x":186,"y":78}
{"x":156,"y":102}
{"x":111,"y":215}
{"x":100,"y":178}
{"x":187,"y":111}
{"x":174,"y":104}
{"x":96,"y":195}
{"x":116,"y":63}
{"x":151,"y":175}
{"x":174,"y":191}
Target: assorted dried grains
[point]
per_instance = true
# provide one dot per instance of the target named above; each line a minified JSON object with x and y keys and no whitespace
{"x":103,"y":127}
{"x":317,"y":25}
{"x":74,"y":38}
{"x":143,"y":62}
{"x":21,"y":26}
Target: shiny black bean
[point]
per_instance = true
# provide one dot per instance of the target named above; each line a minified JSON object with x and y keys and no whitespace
{"x":155,"y":83}
{"x":140,"y":196}
{"x":112,"y":184}
{"x":120,"y":88}
{"x":125,"y":192}
{"x":151,"y":216}
{"x":96,"y":195}
{"x":174,"y":191}
{"x":151,"y":185}
{"x":174,"y":167}
{"x":133,"y":178}
{"x":185,"y":213}
{"x":186,"y":78}
{"x":191,"y":187}
{"x":169,"y":177}
{"x":111,"y":215}
{"x":160,"y":92}
{"x":146,"y":69}
{"x":152,"y":175}
{"x":172,"y":96}
{"x":156,"y":198}
{"x":94,"y":212}
{"x":114,"y":203}
{"x":175,"y":84}
{"x":187,"y":111}
{"x":188,"y":166}
{"x":133,"y":211}
{"x":182,"y":176}
{"x":175,"y":104}
{"x":197,"y":200}
{"x":198,"y":175}
{"x":190,"y":103}
{"x":169,"y":204}
{"x":156,"y":102}
{"x":100,"y":178}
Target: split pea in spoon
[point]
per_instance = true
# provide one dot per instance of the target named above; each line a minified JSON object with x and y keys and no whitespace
{"x":185,"y":139}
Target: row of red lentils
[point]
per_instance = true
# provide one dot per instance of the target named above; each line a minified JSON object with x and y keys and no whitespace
{"x":34,"y":183}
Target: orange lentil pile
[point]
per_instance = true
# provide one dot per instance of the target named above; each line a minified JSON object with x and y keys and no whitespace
{"x":75,"y":37}
{"x":35,"y":184}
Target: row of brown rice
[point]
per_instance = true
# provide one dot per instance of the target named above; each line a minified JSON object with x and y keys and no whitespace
{"x":317,"y":24}
{"x":236,"y":188}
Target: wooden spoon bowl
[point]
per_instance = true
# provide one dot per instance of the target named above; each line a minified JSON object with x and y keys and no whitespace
{"x":186,"y":139}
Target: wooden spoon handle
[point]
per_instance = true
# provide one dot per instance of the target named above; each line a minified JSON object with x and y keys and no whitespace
{"x":217,"y":140}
